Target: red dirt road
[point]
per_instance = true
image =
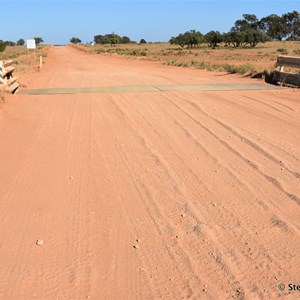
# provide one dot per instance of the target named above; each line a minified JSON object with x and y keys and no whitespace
{"x":147,"y":195}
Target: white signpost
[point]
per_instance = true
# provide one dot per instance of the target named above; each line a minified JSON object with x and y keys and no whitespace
{"x":31,"y":44}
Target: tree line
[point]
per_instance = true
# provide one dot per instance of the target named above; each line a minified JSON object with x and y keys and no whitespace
{"x":247,"y":31}
{"x":195,"y":38}
{"x":110,"y":38}
{"x":20,"y":42}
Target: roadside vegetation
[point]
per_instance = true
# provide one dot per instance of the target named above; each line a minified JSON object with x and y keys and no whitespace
{"x":22,"y":58}
{"x":75,"y":40}
{"x":18,"y":52}
{"x":248,"y":31}
{"x":251,"y":46}
{"x":242,"y":60}
{"x":20,"y":42}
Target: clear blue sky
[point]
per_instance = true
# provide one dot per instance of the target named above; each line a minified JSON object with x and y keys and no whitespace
{"x":57,"y":21}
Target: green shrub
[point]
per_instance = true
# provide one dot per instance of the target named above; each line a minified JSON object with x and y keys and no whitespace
{"x":241,"y":69}
{"x":282,"y":50}
{"x":297,"y":51}
{"x":2,"y":46}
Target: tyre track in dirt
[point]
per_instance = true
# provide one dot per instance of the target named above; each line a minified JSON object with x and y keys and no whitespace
{"x":237,"y":174}
{"x":246,"y":140}
{"x":155,"y":158}
{"x":163,"y":226}
{"x":190,"y":213}
{"x":234,"y":217}
{"x":271,"y":179}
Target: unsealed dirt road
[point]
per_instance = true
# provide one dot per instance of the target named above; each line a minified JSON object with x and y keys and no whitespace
{"x":171,"y":194}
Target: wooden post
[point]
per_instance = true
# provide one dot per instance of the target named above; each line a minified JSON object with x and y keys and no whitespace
{"x":41,"y":62}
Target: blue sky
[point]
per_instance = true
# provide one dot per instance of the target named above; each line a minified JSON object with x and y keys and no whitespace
{"x":57,"y":21}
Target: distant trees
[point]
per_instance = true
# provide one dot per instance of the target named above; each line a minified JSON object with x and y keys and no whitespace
{"x":143,"y":41}
{"x":274,"y":26}
{"x":75,"y":40}
{"x":246,"y":31}
{"x":248,"y":22}
{"x":2,"y":46}
{"x":234,"y":38}
{"x":21,"y":42}
{"x":277,"y":27}
{"x":251,"y":30}
{"x":181,"y":40}
{"x":125,"y":40}
{"x":190,"y":39}
{"x":195,"y":38}
{"x":252,"y":37}
{"x":213,"y":38}
{"x":112,"y":39}
{"x":292,"y":23}
{"x":38,"y":40}
{"x":10,"y":43}
{"x":101,"y":39}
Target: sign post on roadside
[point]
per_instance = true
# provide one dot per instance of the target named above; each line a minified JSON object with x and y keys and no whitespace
{"x":31,"y":45}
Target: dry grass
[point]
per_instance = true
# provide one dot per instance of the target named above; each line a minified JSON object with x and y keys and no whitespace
{"x":12,"y":52}
{"x":22,"y":58}
{"x":232,"y":60}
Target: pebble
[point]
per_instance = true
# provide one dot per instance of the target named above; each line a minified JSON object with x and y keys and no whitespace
{"x":177,"y":236}
{"x":183,"y":215}
{"x":136,"y":246}
{"x":39,"y":242}
{"x":138,"y":240}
